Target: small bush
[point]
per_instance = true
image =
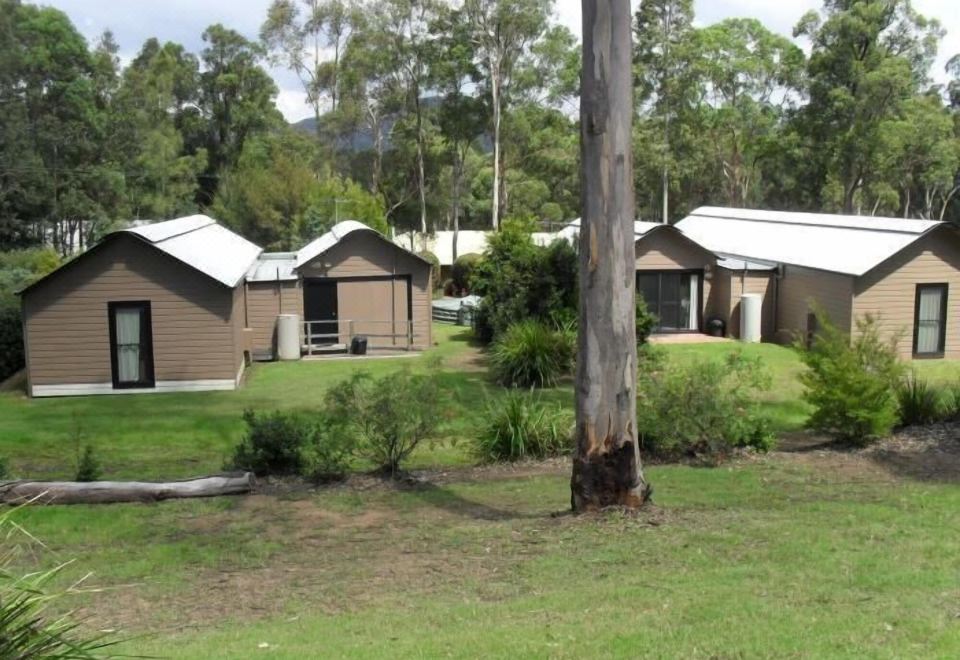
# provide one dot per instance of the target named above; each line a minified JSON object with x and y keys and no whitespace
{"x":88,"y":466}
{"x":919,"y":402}
{"x":11,"y":342}
{"x":852,"y":384}
{"x":4,"y":468}
{"x":328,"y":451}
{"x":951,"y":402}
{"x":273,"y":444}
{"x":532,"y":354}
{"x":521,"y":426}
{"x":462,"y":271}
{"x":705,"y":408}
{"x":386,"y":418}
{"x":646,"y":321}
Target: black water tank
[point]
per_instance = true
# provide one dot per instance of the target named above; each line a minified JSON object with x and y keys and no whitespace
{"x":359,"y":345}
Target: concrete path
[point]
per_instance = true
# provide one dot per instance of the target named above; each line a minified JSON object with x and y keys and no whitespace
{"x":686,"y":338}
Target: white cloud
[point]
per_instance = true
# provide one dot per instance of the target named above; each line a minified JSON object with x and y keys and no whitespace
{"x":293,"y":104}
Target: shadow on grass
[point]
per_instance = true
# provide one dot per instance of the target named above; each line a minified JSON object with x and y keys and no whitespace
{"x":452,"y":502}
{"x":466,"y":336}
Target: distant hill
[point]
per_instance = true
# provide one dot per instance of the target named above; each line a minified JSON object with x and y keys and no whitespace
{"x":362,"y":139}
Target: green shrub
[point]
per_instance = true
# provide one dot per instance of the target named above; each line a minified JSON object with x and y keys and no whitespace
{"x":88,"y":466}
{"x":951,"y":402}
{"x":705,"y":408}
{"x":273,"y":444}
{"x":852,"y":384}
{"x":386,"y":418}
{"x":18,"y":268}
{"x":462,"y":271}
{"x":519,"y":280}
{"x":646,"y":321}
{"x":327,"y":452}
{"x":4,"y":468}
{"x":521,"y":426}
{"x":919,"y":402}
{"x":11,"y":342}
{"x":288,"y":443}
{"x":434,"y":267}
{"x":532,"y":354}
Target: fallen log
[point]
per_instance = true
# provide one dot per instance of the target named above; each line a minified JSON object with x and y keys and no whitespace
{"x":108,"y":492}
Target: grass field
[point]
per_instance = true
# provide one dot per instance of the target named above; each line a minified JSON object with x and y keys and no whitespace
{"x":180,"y":435}
{"x":820,"y":554}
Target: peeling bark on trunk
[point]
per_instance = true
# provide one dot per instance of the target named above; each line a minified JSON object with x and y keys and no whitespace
{"x":606,"y":465}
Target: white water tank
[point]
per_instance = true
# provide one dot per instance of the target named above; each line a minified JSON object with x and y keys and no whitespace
{"x":288,"y":337}
{"x":751,"y":305}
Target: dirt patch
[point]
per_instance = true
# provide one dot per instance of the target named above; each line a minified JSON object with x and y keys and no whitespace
{"x":926,"y":453}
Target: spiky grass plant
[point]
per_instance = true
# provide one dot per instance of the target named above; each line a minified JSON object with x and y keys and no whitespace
{"x":28,"y":626}
{"x":521,"y":426}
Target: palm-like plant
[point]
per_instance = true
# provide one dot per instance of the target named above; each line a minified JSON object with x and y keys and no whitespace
{"x":28,"y":629}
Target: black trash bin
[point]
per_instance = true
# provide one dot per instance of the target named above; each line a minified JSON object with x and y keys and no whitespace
{"x":716,"y":327}
{"x":359,"y":345}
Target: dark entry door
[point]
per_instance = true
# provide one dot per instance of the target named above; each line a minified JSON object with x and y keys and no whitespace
{"x":320,"y":304}
{"x":131,"y":344}
{"x":672,"y":298}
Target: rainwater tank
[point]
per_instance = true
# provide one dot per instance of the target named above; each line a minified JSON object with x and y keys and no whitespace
{"x":288,"y":337}
{"x":751,"y":305}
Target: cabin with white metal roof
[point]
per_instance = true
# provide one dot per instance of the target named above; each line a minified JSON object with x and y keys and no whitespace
{"x":789,"y":265}
{"x":186,"y":304}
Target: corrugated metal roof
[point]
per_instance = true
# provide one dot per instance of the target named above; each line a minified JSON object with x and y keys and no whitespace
{"x":732,"y":263}
{"x":851,"y":245}
{"x":337,"y":233}
{"x":341,"y":230}
{"x":200,"y":242}
{"x":273,"y":267}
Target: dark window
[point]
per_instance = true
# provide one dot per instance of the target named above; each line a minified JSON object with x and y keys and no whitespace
{"x":673,"y":297}
{"x":930,"y":320}
{"x":131,"y":344}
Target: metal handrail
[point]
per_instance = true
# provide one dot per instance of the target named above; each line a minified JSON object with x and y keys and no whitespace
{"x":310,"y":336}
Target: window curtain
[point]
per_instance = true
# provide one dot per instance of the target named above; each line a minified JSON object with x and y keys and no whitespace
{"x":930,"y":323}
{"x":694,"y":303}
{"x":128,"y":345}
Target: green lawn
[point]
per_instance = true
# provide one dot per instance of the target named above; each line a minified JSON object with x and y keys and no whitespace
{"x":772,"y":558}
{"x":180,"y":435}
{"x":804,"y":555}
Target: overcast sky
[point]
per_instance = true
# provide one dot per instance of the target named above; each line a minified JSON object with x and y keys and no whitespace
{"x":183,"y":21}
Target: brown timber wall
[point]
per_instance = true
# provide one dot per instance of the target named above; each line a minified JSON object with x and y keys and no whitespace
{"x":265,"y":301}
{"x":365,"y":265}
{"x":800,"y":287}
{"x":67,"y":326}
{"x":889,"y":290}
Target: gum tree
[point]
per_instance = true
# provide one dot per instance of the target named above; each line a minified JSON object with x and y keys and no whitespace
{"x":606,"y":465}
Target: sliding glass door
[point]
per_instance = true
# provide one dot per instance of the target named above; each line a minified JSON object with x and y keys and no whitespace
{"x":673,"y":297}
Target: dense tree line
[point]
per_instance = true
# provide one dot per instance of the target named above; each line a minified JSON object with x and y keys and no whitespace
{"x":431,"y":114}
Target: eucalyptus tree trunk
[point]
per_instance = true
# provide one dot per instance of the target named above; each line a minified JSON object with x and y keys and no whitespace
{"x":497,"y":157}
{"x":606,"y":465}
